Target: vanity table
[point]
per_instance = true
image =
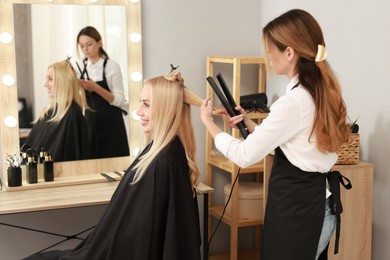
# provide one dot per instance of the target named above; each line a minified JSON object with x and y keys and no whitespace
{"x":64,"y":197}
{"x":56,"y":197}
{"x":53,"y":198}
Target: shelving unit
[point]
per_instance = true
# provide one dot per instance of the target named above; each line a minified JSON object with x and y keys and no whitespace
{"x":219,"y":161}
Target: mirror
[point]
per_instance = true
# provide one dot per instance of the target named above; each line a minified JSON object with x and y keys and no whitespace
{"x":9,"y":94}
{"x":47,"y":33}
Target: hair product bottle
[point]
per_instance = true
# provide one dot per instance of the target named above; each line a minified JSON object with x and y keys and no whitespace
{"x":31,"y":168}
{"x":40,"y":159}
{"x":48,"y":168}
{"x":42,"y":155}
{"x":23,"y":151}
{"x":23,"y":154}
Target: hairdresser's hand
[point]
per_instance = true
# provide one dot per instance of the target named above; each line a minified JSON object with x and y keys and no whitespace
{"x":206,"y":110}
{"x":206,"y":115}
{"x":233,"y":121}
{"x":220,"y":112}
{"x":92,"y":86}
{"x":88,"y":85}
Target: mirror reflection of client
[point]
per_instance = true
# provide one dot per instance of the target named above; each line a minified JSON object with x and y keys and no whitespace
{"x":153,"y":213}
{"x":61,"y":127}
{"x":102,"y":78}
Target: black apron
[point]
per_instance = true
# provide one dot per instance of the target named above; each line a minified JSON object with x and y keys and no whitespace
{"x":106,"y":127}
{"x":295,"y":210}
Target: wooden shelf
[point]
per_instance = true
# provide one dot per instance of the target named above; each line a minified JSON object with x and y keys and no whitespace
{"x":232,"y":59}
{"x":217,"y":160}
{"x":257,"y":115}
{"x":216,"y":211}
{"x":227,"y":165}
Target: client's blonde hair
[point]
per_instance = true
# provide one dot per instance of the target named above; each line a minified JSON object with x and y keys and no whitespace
{"x":66,"y":89}
{"x":171,"y":114}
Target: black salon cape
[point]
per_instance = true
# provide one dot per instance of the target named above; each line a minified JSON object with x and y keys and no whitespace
{"x":66,"y":140}
{"x":154,"y":219}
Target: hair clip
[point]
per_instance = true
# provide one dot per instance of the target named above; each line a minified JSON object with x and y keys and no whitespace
{"x":173,"y":67}
{"x":321,"y":53}
{"x":68,"y":63}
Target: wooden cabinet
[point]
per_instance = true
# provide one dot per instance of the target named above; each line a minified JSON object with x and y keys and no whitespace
{"x":356,"y":220}
{"x":214,"y":160}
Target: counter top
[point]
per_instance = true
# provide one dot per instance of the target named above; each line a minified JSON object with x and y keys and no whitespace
{"x":56,"y":197}
{"x":63,"y":197}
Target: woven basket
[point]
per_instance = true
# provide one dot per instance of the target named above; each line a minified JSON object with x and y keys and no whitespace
{"x":349,"y":151}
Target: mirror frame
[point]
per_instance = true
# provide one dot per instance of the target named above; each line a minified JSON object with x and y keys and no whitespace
{"x":9,"y":136}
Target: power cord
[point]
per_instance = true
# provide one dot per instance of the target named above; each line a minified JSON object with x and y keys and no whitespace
{"x":224,"y":209}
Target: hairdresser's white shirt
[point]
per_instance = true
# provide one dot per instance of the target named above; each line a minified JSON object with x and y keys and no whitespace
{"x":288,"y":125}
{"x":113,"y":77}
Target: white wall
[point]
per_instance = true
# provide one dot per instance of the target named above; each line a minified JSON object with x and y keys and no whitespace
{"x":357,"y":38}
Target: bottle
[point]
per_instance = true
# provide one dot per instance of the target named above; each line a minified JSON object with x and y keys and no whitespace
{"x":23,"y":154}
{"x":40,"y":160}
{"x":42,"y":155}
{"x":48,"y":168}
{"x":31,"y":168}
{"x":23,"y":151}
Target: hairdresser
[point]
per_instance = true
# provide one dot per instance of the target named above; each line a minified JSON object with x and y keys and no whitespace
{"x":101,"y":78}
{"x":305,"y":127}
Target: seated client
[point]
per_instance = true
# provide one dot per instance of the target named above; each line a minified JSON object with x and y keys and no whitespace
{"x":61,"y":128}
{"x":153,"y":214}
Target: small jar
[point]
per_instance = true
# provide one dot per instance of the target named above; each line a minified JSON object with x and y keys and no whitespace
{"x":14,"y":176}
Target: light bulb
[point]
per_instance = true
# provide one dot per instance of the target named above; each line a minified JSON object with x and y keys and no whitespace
{"x":5,"y":37}
{"x":10,"y":121}
{"x":8,"y":80}
{"x":136,"y":76}
{"x":135,"y":37}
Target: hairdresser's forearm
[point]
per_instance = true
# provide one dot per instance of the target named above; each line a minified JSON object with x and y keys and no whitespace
{"x":251,"y":125}
{"x":211,"y":127}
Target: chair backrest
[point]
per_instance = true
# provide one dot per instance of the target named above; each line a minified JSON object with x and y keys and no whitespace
{"x":24,"y":120}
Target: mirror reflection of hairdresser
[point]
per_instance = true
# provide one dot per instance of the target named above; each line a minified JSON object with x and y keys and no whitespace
{"x":101,"y":77}
{"x":61,"y":127}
